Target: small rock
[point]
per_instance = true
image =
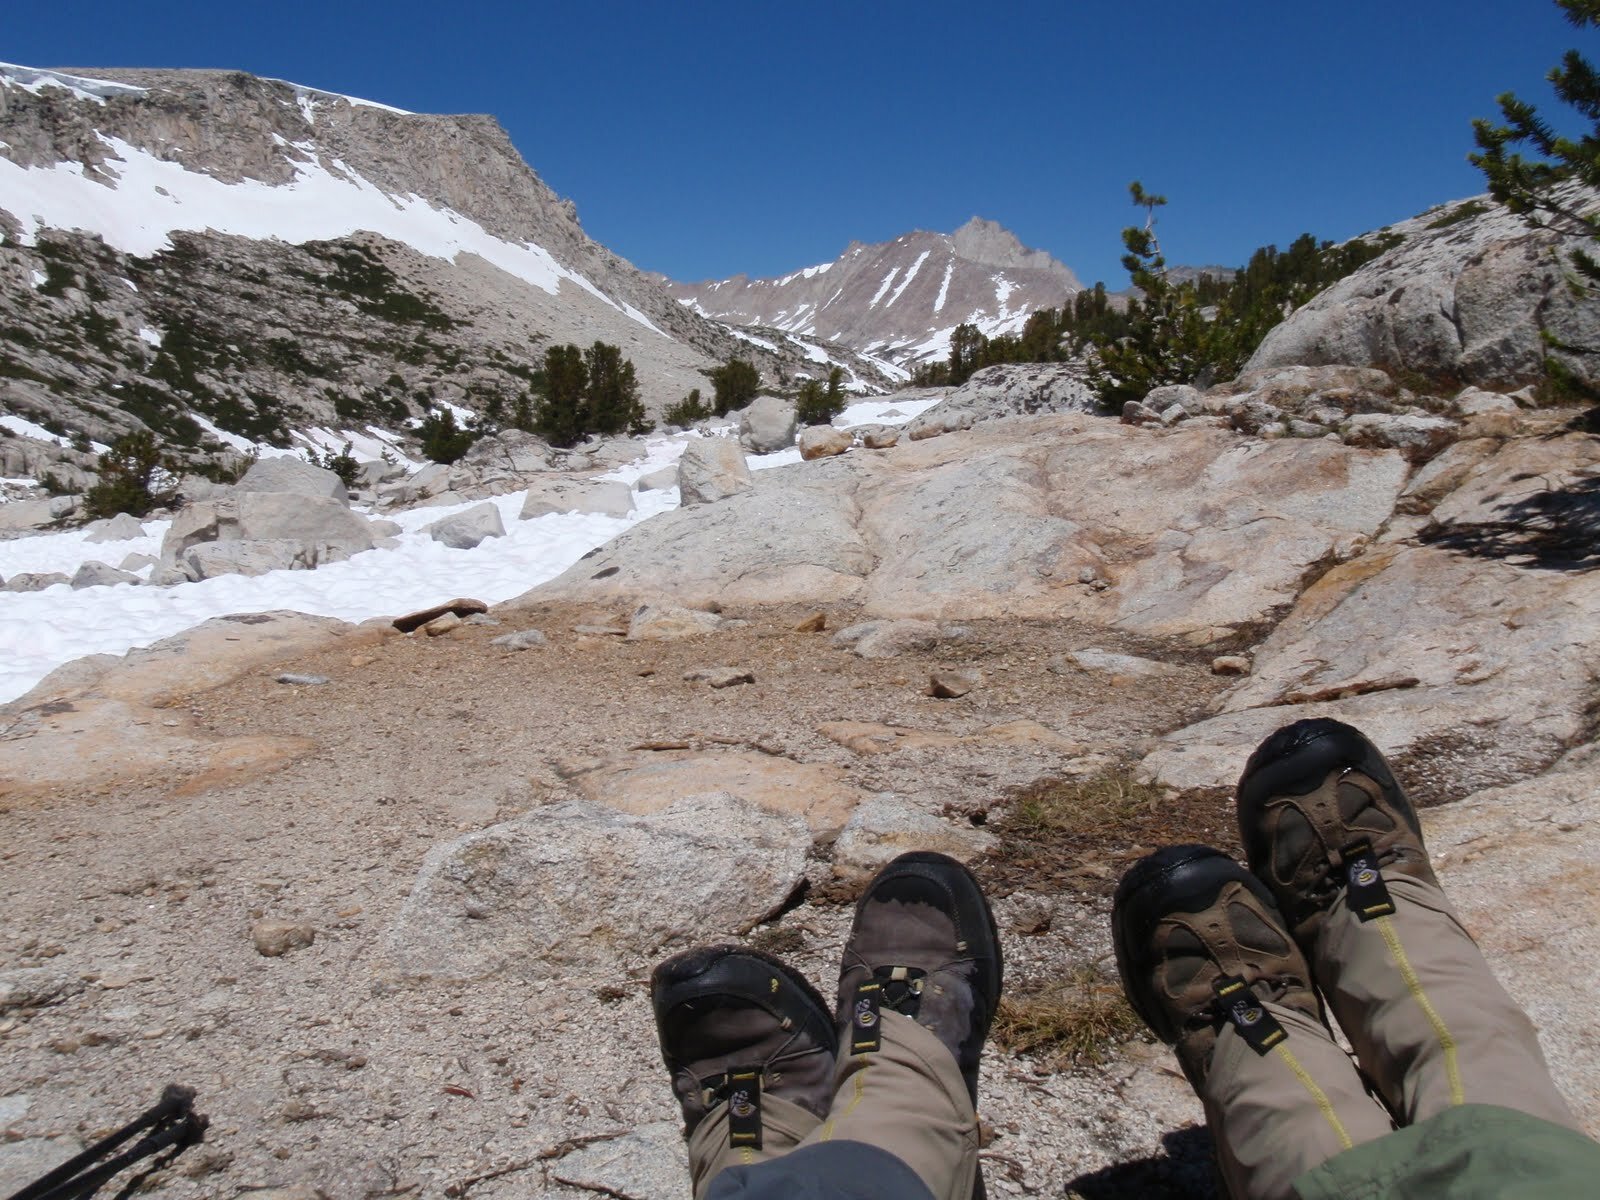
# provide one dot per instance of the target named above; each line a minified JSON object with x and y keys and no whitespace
{"x":720,"y":677}
{"x":952,"y":685}
{"x":461,"y":606}
{"x":1093,"y":659}
{"x":480,"y":619}
{"x":886,"y":639}
{"x":35,"y":581}
{"x":815,"y":623}
{"x":881,"y":437}
{"x":99,"y":574}
{"x":1230,"y":664}
{"x":138,"y":562}
{"x":523,"y":639}
{"x":274,"y":939}
{"x":662,"y":480}
{"x":1136,"y":412}
{"x":823,"y":441}
{"x":121,"y":528}
{"x":34,"y":987}
{"x":442,"y":625}
{"x":669,"y":622}
{"x":299,"y":1191}
{"x":465,"y":530}
{"x":303,"y":680}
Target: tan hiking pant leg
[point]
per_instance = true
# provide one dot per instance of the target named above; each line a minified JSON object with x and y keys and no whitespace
{"x":1428,"y":1020}
{"x":908,"y":1098}
{"x":783,"y":1127}
{"x":1276,"y":1115}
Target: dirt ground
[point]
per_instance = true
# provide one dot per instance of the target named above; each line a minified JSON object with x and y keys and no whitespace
{"x":321,"y":1067}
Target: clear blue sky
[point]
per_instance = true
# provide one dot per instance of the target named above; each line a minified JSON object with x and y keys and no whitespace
{"x":704,"y":139}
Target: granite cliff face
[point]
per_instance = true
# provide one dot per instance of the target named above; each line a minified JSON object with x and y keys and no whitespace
{"x":218,"y":256}
{"x":898,"y":301}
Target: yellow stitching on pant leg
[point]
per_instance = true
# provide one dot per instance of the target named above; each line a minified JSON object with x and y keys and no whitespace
{"x":1324,"y":1105}
{"x":1452,"y":1065}
{"x":859,"y":1089}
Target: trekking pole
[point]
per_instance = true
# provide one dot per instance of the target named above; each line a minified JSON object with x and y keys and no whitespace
{"x":174,"y":1123}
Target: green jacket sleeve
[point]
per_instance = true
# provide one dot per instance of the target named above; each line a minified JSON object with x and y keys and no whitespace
{"x":1473,"y":1152}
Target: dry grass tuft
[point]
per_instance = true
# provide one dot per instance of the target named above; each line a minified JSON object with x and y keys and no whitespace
{"x":1080,"y":834}
{"x":1056,"y":808}
{"x":1071,"y":1022}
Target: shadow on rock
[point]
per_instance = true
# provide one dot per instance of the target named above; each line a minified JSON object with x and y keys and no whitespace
{"x":1182,"y":1171}
{"x":1557,"y":528}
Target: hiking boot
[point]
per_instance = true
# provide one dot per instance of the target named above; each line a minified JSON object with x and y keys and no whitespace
{"x":1197,"y":937}
{"x":1320,"y":814}
{"x":924,"y":945}
{"x":736,"y":1024}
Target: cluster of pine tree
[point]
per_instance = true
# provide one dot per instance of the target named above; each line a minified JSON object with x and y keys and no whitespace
{"x":579,"y":392}
{"x":1169,"y":330}
{"x":817,"y":403}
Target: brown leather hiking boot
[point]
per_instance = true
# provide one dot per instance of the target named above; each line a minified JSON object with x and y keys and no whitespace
{"x":1199,"y":943}
{"x":923,"y":944}
{"x":1321,"y":816}
{"x":736,"y":1024}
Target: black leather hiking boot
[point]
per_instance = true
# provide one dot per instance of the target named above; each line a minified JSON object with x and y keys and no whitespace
{"x":924,"y":945}
{"x":1321,"y":816}
{"x":736,"y":1024}
{"x":1199,"y":942}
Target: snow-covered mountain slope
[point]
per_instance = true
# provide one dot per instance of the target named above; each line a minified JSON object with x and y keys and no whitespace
{"x":327,"y":261}
{"x":898,"y":301}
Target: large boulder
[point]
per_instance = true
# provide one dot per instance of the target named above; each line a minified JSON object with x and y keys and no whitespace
{"x":466,"y":530}
{"x":1179,"y":532}
{"x":646,"y":781}
{"x":295,"y":476}
{"x":712,"y":469}
{"x":605,"y":497}
{"x":25,"y":516}
{"x":1481,"y":300}
{"x":578,"y":891}
{"x":319,"y":529}
{"x":1485,"y":667}
{"x":99,"y":574}
{"x":1011,"y":389}
{"x":121,"y":528}
{"x":208,"y":560}
{"x":767,"y":425}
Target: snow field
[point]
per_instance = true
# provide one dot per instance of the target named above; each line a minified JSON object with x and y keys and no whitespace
{"x":40,"y":631}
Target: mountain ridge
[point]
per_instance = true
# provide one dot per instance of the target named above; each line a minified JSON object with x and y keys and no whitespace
{"x":897,"y":301}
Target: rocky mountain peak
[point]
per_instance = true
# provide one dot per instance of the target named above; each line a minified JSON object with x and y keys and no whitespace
{"x":990,"y":244}
{"x":898,"y":301}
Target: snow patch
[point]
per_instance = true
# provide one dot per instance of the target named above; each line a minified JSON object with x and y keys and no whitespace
{"x":944,"y":287}
{"x":910,"y":275}
{"x":888,"y":282}
{"x":150,"y":198}
{"x":152,"y":336}
{"x":34,"y":80}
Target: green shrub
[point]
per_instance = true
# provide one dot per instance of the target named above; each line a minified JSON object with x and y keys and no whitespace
{"x":135,"y":477}
{"x":443,"y":440}
{"x":687,"y":411}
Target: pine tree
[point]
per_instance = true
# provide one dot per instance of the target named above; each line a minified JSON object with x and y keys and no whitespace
{"x":1531,"y":186}
{"x":1169,"y":339}
{"x":734,"y":384}
{"x":135,"y":477}
{"x":966,"y":353}
{"x":559,"y":417}
{"x":443,"y":440}
{"x":816,"y":405}
{"x":612,"y":394}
